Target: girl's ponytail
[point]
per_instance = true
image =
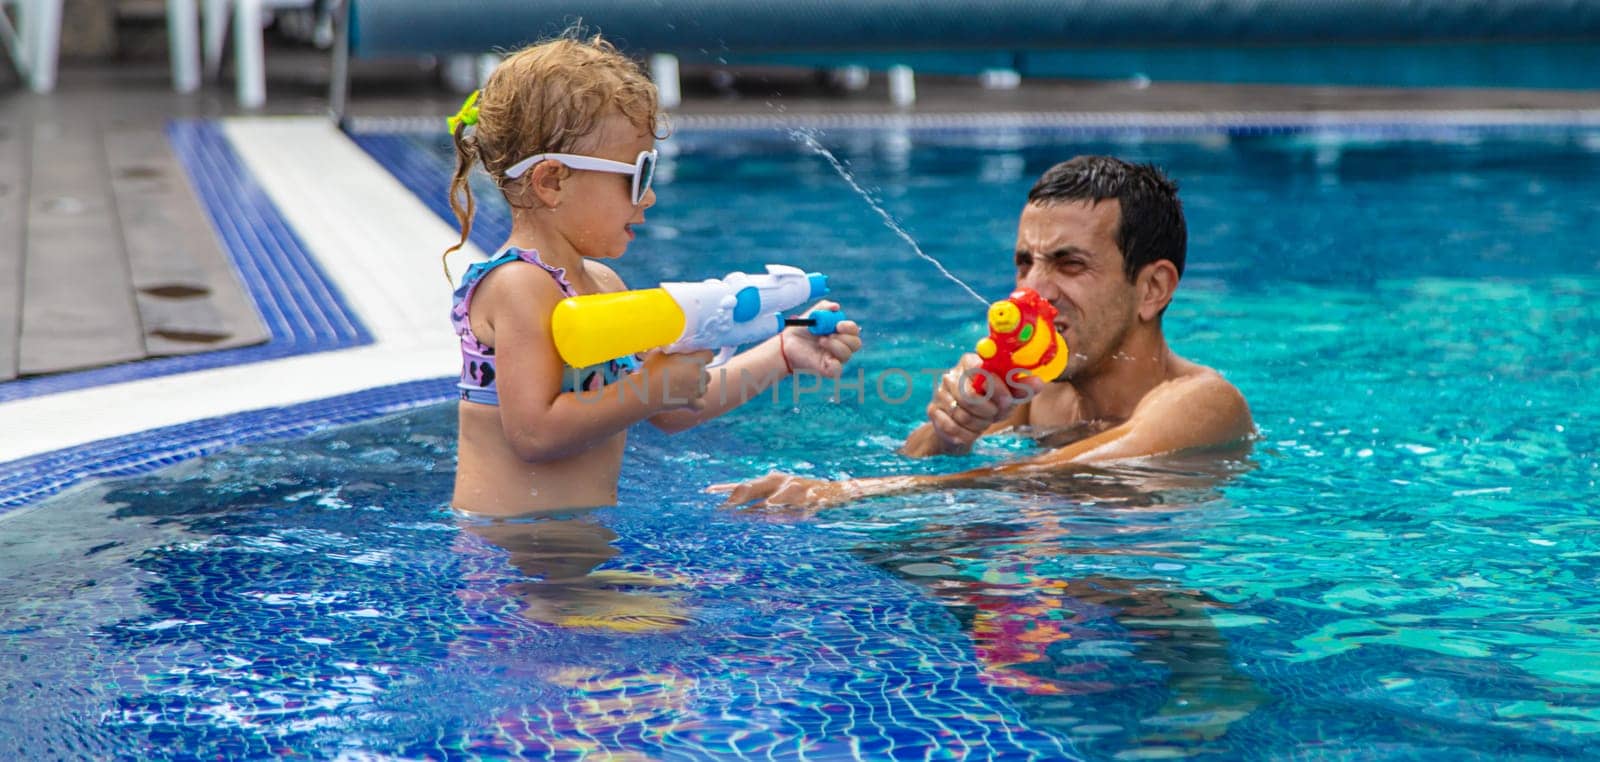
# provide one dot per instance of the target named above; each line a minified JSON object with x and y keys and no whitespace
{"x":466,"y":156}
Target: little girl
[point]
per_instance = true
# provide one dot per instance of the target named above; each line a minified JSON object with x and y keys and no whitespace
{"x":567,"y":131}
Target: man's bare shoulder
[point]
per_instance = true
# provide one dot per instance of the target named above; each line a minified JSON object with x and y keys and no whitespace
{"x":1204,"y":401}
{"x":1198,"y":410}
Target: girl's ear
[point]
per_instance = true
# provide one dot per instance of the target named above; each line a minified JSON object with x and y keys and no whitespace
{"x":1156,"y":282}
{"x":546,"y":181}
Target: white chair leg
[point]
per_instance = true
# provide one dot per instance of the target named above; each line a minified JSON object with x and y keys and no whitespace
{"x":1000,"y":79}
{"x":460,"y":72}
{"x":39,"y":26}
{"x":216,"y":34}
{"x":902,"y":86}
{"x":249,"y":62}
{"x":487,"y":63}
{"x":322,"y":35}
{"x":852,"y":78}
{"x":664,"y":70}
{"x":183,"y":21}
{"x":22,"y":39}
{"x":339,"y":82}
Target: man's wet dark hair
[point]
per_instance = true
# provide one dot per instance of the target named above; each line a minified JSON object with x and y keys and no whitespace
{"x":1152,"y":217}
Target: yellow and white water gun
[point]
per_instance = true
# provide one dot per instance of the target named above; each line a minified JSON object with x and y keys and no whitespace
{"x":717,"y":313}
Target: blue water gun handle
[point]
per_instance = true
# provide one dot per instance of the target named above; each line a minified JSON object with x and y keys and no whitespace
{"x":820,"y":322}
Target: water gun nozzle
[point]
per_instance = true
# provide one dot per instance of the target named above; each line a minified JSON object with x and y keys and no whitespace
{"x":819,"y":285}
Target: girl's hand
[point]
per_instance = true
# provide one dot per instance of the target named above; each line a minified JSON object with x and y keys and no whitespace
{"x":822,"y":355}
{"x":677,"y":381}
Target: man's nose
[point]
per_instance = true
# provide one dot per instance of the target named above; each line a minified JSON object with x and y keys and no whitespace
{"x":1039,"y":282}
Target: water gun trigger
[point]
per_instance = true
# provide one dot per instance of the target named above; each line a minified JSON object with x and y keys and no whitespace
{"x":818,"y":322}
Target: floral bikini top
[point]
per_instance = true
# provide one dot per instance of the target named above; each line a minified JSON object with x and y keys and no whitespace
{"x":477,"y":360}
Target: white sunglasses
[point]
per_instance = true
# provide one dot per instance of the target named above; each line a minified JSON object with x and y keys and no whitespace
{"x":643,"y":168}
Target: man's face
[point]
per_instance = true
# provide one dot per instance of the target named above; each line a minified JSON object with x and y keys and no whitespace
{"x":1068,"y":253}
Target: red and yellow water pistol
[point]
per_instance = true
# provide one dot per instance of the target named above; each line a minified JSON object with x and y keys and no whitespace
{"x":1022,"y":334}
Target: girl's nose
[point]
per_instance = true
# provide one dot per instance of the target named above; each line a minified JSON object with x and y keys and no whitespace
{"x":649,"y":199}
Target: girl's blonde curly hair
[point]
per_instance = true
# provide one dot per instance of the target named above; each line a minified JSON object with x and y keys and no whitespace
{"x":546,"y":98}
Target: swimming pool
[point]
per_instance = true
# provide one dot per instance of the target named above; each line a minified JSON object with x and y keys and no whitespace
{"x":1403,"y":568}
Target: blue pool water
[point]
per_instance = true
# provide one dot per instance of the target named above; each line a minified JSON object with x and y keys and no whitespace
{"x":1404,"y":567}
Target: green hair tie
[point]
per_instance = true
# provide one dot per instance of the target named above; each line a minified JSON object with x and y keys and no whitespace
{"x":468,"y":115}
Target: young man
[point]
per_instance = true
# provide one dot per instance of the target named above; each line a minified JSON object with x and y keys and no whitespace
{"x":1104,"y":242}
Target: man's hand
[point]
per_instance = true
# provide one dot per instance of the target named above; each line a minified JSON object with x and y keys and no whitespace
{"x":777,"y":489}
{"x":959,"y":415}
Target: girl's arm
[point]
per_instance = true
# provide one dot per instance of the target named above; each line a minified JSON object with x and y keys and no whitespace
{"x":745,"y":376}
{"x":539,"y":420}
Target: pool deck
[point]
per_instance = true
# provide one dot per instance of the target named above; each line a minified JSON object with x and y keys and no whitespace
{"x":115,"y":256}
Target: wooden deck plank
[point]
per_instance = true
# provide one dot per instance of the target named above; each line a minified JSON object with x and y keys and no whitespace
{"x":13,"y":193}
{"x":78,"y":309}
{"x":188,"y":293}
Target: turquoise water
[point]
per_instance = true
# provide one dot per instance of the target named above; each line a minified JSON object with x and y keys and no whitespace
{"x":1403,"y":568}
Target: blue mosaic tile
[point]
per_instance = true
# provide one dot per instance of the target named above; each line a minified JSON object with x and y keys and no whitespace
{"x":388,"y":627}
{"x":34,"y":478}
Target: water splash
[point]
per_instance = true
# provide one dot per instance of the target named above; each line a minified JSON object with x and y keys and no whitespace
{"x":810,"y":140}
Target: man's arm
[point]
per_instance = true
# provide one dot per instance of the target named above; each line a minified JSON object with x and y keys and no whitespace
{"x":1192,"y":413}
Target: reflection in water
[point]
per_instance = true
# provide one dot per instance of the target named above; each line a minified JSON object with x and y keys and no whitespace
{"x":568,"y":588}
{"x":1117,"y":661}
